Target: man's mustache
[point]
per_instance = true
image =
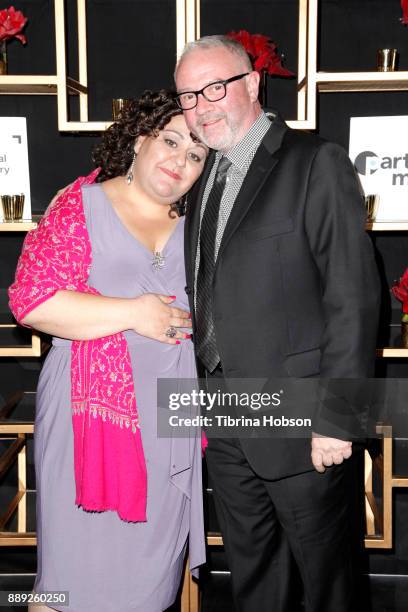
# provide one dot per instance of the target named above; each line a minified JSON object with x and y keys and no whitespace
{"x":209,"y":117}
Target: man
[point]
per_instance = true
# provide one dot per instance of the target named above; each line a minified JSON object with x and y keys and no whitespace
{"x":282,"y":282}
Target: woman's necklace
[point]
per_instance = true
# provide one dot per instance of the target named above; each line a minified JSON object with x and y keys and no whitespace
{"x":158,"y":261}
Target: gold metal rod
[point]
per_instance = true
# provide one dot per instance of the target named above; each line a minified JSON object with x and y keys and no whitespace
{"x":214,"y":539}
{"x":11,"y":508}
{"x":312,"y":62}
{"x":370,"y":521}
{"x":185,"y":593}
{"x":22,"y":486}
{"x":399,"y":481}
{"x":302,"y":61}
{"x":62,"y":101}
{"x":14,"y":428}
{"x":181,"y":34}
{"x":11,"y":404}
{"x":82,"y":60}
{"x":18,"y":539}
{"x":8,"y":458}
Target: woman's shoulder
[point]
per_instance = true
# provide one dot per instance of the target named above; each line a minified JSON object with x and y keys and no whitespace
{"x":91,"y":188}
{"x":92,"y":192}
{"x":102,"y":189}
{"x":93,"y":201}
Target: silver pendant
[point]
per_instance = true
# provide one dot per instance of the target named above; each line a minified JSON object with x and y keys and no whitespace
{"x":158,"y":261}
{"x":129,"y":177}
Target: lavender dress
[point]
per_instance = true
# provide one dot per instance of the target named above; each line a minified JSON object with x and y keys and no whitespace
{"x":108,"y":565}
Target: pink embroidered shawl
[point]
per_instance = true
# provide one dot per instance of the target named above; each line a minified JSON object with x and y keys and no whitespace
{"x":110,"y":470}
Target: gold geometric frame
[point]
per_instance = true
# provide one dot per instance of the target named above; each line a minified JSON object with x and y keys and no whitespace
{"x":379,"y":521}
{"x":33,"y":350}
{"x":314,"y":81}
{"x":17,"y":451}
{"x":187,"y":29}
{"x":310,"y":81}
{"x":37,"y":346}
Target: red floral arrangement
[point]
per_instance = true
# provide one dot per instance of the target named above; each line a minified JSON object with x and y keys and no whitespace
{"x":262,"y":51}
{"x":11,"y":24}
{"x":404,"y":6}
{"x":401,"y":293}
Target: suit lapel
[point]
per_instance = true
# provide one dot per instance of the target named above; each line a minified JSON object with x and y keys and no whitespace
{"x":263,"y":164}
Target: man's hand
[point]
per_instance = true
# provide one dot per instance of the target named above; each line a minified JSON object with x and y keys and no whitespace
{"x":328,"y":451}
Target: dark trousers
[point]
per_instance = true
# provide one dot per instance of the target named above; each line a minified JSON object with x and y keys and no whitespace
{"x":265,"y":522}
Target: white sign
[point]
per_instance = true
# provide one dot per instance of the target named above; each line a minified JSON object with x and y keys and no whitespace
{"x":14,"y":172}
{"x":379,"y":151}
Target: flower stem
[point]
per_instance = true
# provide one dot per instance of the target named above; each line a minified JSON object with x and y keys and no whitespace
{"x":3,"y":57}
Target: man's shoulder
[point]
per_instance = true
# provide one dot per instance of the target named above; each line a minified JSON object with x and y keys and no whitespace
{"x":312,"y":146}
{"x":304,"y":138}
{"x":291,"y":140}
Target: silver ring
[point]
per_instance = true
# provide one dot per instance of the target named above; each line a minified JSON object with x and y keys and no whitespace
{"x":171,"y":332}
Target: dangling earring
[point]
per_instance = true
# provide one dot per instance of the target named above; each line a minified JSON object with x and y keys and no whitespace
{"x":129,"y":176}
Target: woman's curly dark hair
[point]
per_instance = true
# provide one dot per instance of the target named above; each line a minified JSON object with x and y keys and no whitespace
{"x":144,"y":116}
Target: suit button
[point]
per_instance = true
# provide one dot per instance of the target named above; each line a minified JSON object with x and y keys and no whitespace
{"x":187,"y":289}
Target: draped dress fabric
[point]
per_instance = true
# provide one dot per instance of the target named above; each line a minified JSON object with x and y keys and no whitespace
{"x":107,"y":564}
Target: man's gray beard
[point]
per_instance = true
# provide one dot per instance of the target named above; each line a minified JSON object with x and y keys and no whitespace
{"x":224,"y":143}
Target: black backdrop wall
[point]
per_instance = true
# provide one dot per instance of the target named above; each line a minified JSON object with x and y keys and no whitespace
{"x":131,"y":47}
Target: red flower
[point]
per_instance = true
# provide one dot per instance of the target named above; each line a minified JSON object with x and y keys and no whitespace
{"x":11,"y":23}
{"x":262,"y":51}
{"x":404,"y":6}
{"x":401,"y":291}
{"x":245,"y":39}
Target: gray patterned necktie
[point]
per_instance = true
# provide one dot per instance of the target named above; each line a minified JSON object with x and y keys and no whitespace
{"x":205,"y":340}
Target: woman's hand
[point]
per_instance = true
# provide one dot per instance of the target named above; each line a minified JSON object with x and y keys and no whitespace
{"x":84,"y":316}
{"x":154,"y":317}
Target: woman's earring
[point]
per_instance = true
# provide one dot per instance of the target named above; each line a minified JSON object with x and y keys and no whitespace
{"x":129,"y":176}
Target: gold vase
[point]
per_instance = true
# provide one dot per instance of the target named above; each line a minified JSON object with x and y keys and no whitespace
{"x":13,"y":207}
{"x":3,"y":57}
{"x":118,"y":105}
{"x":404,"y":334}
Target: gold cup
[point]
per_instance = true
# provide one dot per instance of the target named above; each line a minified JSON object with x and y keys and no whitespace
{"x":13,"y":206}
{"x":372,"y":201}
{"x":386,"y":60}
{"x":118,"y":104}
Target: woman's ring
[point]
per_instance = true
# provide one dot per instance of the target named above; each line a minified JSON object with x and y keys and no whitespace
{"x":171,"y":332}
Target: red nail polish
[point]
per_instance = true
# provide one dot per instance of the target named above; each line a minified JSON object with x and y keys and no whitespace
{"x":177,"y":341}
{"x":188,"y":336}
{"x":173,"y":297}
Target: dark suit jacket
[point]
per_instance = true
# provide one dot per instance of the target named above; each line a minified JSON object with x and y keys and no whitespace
{"x":296,"y":289}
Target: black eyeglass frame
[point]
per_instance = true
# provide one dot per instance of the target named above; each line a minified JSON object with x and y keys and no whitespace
{"x":225,"y":82}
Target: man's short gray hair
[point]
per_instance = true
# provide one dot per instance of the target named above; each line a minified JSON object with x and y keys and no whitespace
{"x":211,"y":42}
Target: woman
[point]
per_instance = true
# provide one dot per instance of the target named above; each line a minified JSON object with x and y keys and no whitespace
{"x":115,"y":503}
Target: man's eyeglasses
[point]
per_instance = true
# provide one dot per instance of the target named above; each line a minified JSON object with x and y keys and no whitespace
{"x":212,"y":92}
